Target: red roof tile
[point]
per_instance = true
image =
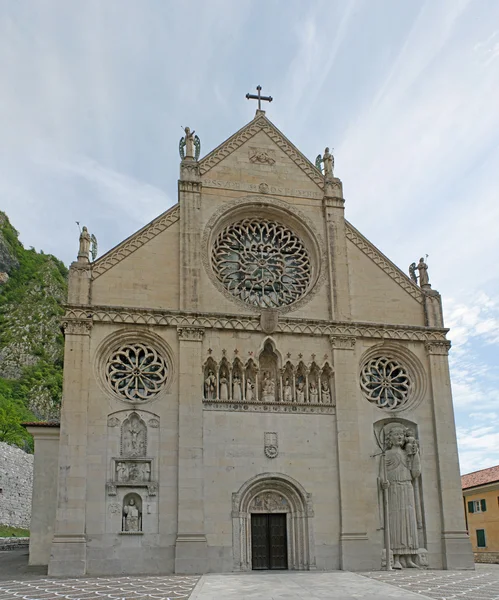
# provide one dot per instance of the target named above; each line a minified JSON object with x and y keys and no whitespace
{"x":480,"y":477}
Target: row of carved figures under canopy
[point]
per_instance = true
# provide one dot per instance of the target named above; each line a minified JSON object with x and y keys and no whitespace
{"x":265,"y":381}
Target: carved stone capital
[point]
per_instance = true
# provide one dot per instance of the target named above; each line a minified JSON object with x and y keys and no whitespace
{"x":110,"y":488}
{"x":439,"y":348}
{"x":189,"y":186}
{"x":77,"y":326}
{"x":342,"y":342}
{"x":330,"y":202}
{"x":190,"y":334}
{"x":189,"y":175}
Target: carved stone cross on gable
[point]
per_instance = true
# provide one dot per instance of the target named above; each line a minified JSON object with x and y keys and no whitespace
{"x":259,"y":97}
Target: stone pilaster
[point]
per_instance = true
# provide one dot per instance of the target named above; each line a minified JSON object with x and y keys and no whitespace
{"x":191,"y":547}
{"x":79,"y":282}
{"x":339,"y":282}
{"x":189,"y":196}
{"x":68,"y":555}
{"x":456,"y":545}
{"x":433,"y":307}
{"x":355,"y":549}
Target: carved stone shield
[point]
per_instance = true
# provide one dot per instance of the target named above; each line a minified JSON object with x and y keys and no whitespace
{"x":268,"y":320}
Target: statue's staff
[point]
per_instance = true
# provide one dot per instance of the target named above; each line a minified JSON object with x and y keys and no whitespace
{"x":384,"y":488}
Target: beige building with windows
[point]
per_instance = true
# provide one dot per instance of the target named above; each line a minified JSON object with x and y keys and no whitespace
{"x":481,"y":505}
{"x":250,"y":384}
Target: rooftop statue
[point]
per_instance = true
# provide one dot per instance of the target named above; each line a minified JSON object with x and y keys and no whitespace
{"x":328,"y":161}
{"x":189,"y":145}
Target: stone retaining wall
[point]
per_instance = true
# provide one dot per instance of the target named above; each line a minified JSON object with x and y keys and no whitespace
{"x":487,"y":557}
{"x":16,"y":484}
{"x":14,"y":543}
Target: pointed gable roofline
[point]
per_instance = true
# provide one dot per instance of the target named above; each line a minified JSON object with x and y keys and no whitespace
{"x":261,"y":123}
{"x":135,"y":241}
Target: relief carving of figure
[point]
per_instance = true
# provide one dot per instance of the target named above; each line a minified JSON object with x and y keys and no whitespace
{"x":400,"y":468}
{"x":210,"y":386}
{"x":325,"y":392}
{"x":134,"y":436}
{"x":423,"y":272}
{"x":224,"y":388}
{"x":300,"y":392}
{"x":131,"y":517}
{"x":268,"y":388}
{"x":313,"y":393}
{"x":288,"y":391}
{"x":236,"y":389}
{"x":122,"y":472}
{"x":249,"y":390}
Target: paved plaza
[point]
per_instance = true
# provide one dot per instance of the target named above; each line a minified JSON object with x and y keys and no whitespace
{"x":18,"y":581}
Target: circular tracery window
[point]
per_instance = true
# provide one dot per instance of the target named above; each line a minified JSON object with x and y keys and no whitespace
{"x":136,"y":372}
{"x":386,"y":383}
{"x":262,"y":262}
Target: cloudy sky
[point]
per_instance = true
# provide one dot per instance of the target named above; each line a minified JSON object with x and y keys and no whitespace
{"x":93,"y":95}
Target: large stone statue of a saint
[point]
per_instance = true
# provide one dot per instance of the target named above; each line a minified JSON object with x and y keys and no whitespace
{"x":288,"y":391}
{"x":236,"y":389}
{"x":423,"y":272}
{"x":325,"y":392}
{"x":328,"y":161}
{"x":131,"y":517}
{"x":85,"y":242}
{"x":190,"y":145}
{"x":400,"y":468}
{"x":224,"y":387}
{"x":250,"y":386}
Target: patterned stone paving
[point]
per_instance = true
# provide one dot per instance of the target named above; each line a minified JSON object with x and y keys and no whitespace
{"x":116,"y":588}
{"x":481,"y":584}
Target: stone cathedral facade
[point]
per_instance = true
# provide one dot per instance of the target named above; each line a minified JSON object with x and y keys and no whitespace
{"x":250,"y":384}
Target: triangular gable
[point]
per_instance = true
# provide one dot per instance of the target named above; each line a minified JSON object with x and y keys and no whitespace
{"x":261,"y":123}
{"x":135,"y":241}
{"x":383,"y":262}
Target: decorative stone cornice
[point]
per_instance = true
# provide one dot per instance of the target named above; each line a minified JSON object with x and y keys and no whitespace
{"x":135,"y":241}
{"x":342,"y":342}
{"x":250,"y":130}
{"x":383,"y":262}
{"x":78,"y":326}
{"x":185,"y":320}
{"x":440,"y":348}
{"x":190,"y":334}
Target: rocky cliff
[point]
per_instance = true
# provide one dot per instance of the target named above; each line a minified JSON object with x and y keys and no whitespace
{"x":33,"y":286}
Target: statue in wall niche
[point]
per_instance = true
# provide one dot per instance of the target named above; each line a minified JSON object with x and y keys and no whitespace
{"x":400,"y":468}
{"x":288,"y":391}
{"x":210,"y":386}
{"x":313,"y":393}
{"x":250,"y":386}
{"x":131,"y":516}
{"x":268,"y":388}
{"x":325,"y":392}
{"x":300,"y":392}
{"x":423,"y":272}
{"x":236,"y":389}
{"x":224,"y":388}
{"x":134,"y":436}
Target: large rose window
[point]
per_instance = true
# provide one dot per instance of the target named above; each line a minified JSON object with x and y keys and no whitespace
{"x":262,"y":263}
{"x":386,"y":383}
{"x":136,"y":372}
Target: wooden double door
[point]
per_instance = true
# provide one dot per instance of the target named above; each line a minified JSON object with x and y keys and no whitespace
{"x":269,"y":548}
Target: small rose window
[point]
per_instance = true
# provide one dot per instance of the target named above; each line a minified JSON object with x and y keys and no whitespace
{"x":386,"y":383}
{"x":136,"y":372}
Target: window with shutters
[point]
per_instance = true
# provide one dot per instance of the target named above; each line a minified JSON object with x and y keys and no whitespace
{"x":477,"y":506}
{"x":480,"y":538}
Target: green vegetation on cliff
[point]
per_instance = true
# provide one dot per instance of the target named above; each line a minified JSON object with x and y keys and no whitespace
{"x":33,"y":286}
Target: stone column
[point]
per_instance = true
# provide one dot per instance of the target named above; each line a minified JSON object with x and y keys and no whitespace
{"x":456,"y":545}
{"x":44,"y":498}
{"x":355,"y":549}
{"x":189,"y":197}
{"x":68,"y":555}
{"x":339,"y":282}
{"x":191,"y":548}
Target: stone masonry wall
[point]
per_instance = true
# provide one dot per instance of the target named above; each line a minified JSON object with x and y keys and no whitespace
{"x":486,"y":557}
{"x":16,"y":483}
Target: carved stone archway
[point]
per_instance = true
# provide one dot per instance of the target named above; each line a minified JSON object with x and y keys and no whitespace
{"x":267,"y":493}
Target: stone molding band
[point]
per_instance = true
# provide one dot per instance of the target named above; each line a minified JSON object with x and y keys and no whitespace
{"x":341,"y":332}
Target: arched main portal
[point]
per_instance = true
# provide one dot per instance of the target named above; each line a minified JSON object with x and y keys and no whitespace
{"x":274,"y":493}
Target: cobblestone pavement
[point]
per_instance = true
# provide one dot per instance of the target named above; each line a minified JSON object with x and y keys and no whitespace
{"x":117,"y":588}
{"x":481,"y":584}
